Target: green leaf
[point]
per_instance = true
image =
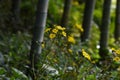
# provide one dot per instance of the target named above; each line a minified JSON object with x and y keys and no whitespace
{"x":2,"y":71}
{"x":17,"y":74}
{"x":91,"y":77}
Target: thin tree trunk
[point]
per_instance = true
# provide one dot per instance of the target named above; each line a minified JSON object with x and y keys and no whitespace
{"x":104,"y":28}
{"x":87,"y":19}
{"x":117,"y":22}
{"x":15,"y":13}
{"x":38,"y":34}
{"x":65,"y":16}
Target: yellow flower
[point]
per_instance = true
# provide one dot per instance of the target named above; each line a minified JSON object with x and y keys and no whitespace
{"x":116,"y":59}
{"x":51,"y":36}
{"x":48,"y":29}
{"x":113,"y":49}
{"x":86,"y":55}
{"x":71,"y":39}
{"x":54,"y":30}
{"x":60,"y":28}
{"x":64,"y":33}
{"x":43,"y":45}
{"x":69,"y":50}
{"x":118,"y":51}
{"x":79,"y":27}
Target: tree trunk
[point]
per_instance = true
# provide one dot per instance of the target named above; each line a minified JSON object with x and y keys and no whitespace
{"x":38,"y":34}
{"x":16,"y":13}
{"x":104,"y":28}
{"x":87,"y":19}
{"x":117,"y":22}
{"x":65,"y":16}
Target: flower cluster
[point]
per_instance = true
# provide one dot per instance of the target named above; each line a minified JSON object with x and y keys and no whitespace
{"x":79,"y":27}
{"x":116,"y":59}
{"x":55,"y":30}
{"x":60,"y":31}
{"x":71,"y":39}
{"x":59,"y":45}
{"x":77,"y":30}
{"x":116,"y":53}
{"x":86,"y":55}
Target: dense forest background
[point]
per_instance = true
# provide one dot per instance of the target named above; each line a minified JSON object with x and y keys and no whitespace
{"x":60,"y":39}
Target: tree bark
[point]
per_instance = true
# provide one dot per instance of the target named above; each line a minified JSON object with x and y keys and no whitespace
{"x":117,"y":22}
{"x":38,"y":34}
{"x":65,"y":16}
{"x":16,"y":13}
{"x":87,"y":19}
{"x":104,"y":29}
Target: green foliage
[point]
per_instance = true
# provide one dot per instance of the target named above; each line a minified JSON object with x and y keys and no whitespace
{"x":15,"y":48}
{"x":18,"y":75}
{"x":2,"y":71}
{"x":55,"y":9}
{"x":61,"y":59}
